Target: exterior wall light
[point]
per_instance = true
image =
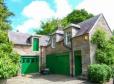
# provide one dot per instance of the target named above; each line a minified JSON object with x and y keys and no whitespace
{"x":86,"y":37}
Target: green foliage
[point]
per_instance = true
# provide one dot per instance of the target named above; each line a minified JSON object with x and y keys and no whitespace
{"x":105,"y":48}
{"x":3,"y":37}
{"x":104,"y":55}
{"x":111,"y":40}
{"x":99,"y":73}
{"x":75,"y":16}
{"x":7,"y":67}
{"x":99,"y":38}
{"x":100,"y":56}
{"x":9,"y":60}
{"x":47,"y":27}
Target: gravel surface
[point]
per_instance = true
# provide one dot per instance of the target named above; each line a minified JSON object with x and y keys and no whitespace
{"x":49,"y":79}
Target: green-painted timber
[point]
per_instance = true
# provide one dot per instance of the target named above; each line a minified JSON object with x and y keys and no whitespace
{"x":35,"y":44}
{"x":58,"y":63}
{"x":78,"y":63}
{"x":29,"y":64}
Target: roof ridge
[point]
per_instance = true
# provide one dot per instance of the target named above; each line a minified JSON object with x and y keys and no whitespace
{"x":91,"y":18}
{"x":88,"y":24}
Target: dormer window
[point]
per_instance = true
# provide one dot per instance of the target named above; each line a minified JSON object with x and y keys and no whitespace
{"x":53,"y":42}
{"x":67,"y":38}
{"x":35,"y":44}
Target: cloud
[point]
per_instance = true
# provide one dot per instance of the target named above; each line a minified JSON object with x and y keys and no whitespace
{"x":31,"y":23}
{"x":38,"y":11}
{"x":63,"y":8}
{"x":35,"y":12}
{"x":100,"y":6}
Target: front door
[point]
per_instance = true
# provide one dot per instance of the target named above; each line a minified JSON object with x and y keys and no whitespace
{"x":78,"y":62}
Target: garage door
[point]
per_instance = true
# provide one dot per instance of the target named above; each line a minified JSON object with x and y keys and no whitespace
{"x":58,"y":63}
{"x":29,"y":64}
{"x":78,"y":63}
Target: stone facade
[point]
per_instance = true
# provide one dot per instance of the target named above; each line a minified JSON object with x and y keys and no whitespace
{"x":83,"y":43}
{"x":80,"y":43}
{"x":59,"y":48}
{"x":25,"y":50}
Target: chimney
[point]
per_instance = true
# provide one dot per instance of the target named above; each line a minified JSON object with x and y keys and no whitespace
{"x":17,"y":30}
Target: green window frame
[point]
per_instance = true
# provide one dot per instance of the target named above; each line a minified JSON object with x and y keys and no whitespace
{"x":35,"y":44}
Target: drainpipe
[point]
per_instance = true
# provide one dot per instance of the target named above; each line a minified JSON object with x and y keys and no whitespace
{"x":41,"y":54}
{"x":72,"y":60}
{"x":72,"y":53}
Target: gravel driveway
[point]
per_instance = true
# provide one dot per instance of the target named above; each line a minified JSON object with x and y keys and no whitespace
{"x":49,"y":79}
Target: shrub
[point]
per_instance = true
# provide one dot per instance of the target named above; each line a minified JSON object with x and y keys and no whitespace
{"x":9,"y":60}
{"x":7,"y":67}
{"x":99,"y":73}
{"x":105,"y":47}
{"x":99,"y":38}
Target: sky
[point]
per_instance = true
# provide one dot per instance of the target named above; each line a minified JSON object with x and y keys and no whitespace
{"x":30,"y":13}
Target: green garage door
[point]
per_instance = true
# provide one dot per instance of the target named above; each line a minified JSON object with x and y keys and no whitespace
{"x":58,"y":63}
{"x":78,"y":63}
{"x":29,"y":64}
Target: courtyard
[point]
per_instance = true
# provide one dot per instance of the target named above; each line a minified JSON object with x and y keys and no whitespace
{"x":47,"y":79}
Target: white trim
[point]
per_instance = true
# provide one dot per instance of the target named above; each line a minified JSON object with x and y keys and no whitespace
{"x":67,"y":36}
{"x":53,"y":42}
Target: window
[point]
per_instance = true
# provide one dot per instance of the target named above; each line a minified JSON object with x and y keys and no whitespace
{"x":67,"y":38}
{"x":53,"y":42}
{"x":35,"y":44}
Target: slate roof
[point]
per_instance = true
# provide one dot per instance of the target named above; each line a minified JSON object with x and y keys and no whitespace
{"x":18,"y":37}
{"x":87,"y":25}
{"x":25,"y":39}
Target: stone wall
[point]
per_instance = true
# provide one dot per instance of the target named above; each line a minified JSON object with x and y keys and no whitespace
{"x":100,"y":24}
{"x":25,"y":50}
{"x":82,"y":43}
{"x":79,"y":43}
{"x":59,"y":48}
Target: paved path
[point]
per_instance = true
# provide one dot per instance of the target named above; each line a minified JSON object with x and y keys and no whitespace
{"x":49,"y":79}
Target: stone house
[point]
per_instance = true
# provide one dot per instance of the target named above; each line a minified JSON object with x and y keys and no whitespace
{"x":30,"y":49}
{"x":70,"y":51}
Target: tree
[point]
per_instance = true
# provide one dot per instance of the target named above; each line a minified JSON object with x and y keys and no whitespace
{"x":103,"y":70}
{"x":9,"y":60}
{"x":48,"y":27}
{"x":105,"y":48}
{"x":75,"y":16}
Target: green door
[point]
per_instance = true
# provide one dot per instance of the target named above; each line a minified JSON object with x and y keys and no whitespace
{"x":78,"y":63}
{"x":29,"y":64}
{"x":35,"y":44}
{"x":58,"y":63}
